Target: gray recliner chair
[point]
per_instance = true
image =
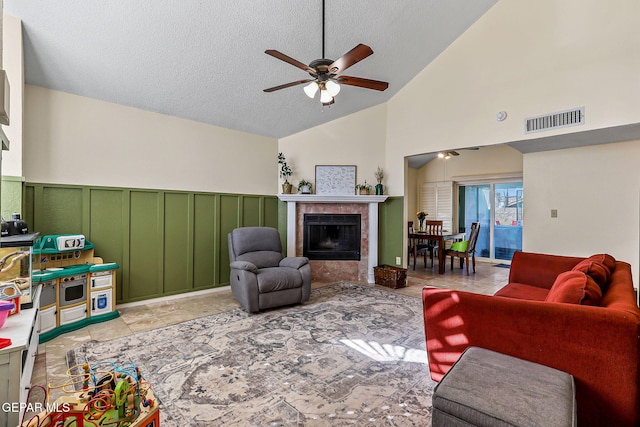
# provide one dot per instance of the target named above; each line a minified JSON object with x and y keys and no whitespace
{"x":261,"y":276}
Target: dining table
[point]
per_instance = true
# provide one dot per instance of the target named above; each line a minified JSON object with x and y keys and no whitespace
{"x":439,"y":239}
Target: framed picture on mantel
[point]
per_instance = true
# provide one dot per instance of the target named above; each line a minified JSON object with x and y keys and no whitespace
{"x":335,"y":179}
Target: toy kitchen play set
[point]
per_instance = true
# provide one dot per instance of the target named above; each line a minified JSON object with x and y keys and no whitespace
{"x":77,"y":288}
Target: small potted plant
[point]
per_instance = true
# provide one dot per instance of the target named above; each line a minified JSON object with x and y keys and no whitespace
{"x":285,"y":172}
{"x":421,"y":215}
{"x":304,"y":187}
{"x":379,"y":176}
{"x":364,"y":189}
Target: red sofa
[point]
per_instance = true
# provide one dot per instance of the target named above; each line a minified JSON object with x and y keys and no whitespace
{"x":598,"y":344}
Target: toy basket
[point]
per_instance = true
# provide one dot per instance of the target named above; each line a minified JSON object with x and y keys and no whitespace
{"x":390,"y":276}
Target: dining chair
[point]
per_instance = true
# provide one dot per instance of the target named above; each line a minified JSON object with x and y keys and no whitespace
{"x":465,"y":249}
{"x":425,"y":246}
{"x":410,"y":242}
{"x":418,"y":244}
{"x":433,"y":226}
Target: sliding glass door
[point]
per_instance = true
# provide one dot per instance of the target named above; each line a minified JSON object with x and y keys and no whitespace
{"x":498,"y":207}
{"x":507,"y":229}
{"x":476,"y":207}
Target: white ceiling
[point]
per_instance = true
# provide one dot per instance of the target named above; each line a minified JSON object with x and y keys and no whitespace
{"x":205,"y":60}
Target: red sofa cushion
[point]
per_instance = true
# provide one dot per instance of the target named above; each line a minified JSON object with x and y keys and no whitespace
{"x":575,"y":287}
{"x":522,"y":291}
{"x":606,"y":259}
{"x":596,"y":270}
{"x":599,"y":267}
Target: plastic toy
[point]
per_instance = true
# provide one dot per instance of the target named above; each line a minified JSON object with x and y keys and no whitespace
{"x":5,"y":308}
{"x":110,"y":394}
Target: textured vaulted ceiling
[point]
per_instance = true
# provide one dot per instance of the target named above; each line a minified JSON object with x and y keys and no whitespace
{"x":204,"y":60}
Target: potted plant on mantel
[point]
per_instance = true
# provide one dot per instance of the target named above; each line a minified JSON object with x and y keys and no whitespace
{"x":285,"y":172}
{"x":379,"y":174}
{"x":364,"y":189}
{"x":304,"y":187}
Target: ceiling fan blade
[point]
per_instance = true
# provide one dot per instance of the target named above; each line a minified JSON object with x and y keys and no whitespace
{"x":454,"y":153}
{"x":365,"y":83}
{"x":281,"y":56}
{"x":355,"y":55}
{"x":286,"y":85}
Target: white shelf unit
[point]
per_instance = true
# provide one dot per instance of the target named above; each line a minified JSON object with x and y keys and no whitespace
{"x":17,"y":360}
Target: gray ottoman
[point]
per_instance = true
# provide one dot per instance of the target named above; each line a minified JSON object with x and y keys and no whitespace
{"x":485,"y":388}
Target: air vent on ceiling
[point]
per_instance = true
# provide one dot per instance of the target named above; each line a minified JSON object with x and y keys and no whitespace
{"x":561,"y":119}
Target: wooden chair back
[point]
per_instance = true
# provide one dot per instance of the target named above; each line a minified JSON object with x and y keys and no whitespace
{"x":410,"y":243}
{"x":473,"y":237}
{"x":433,"y":226}
{"x":470,"y":251}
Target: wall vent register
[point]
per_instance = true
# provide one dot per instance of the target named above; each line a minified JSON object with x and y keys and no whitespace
{"x":562,"y":119}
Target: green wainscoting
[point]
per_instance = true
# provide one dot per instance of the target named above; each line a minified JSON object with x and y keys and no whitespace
{"x":391,"y":230}
{"x":171,"y":242}
{"x":11,"y":196}
{"x":166,"y":242}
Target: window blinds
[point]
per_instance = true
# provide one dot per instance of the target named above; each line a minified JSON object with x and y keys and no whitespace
{"x":436,"y":198}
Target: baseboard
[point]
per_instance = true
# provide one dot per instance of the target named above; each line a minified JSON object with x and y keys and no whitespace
{"x":173,"y":297}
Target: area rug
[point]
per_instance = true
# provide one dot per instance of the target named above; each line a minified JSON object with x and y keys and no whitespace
{"x":352,"y":355}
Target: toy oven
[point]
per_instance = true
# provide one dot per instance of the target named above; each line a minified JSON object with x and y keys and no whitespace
{"x":72,"y":290}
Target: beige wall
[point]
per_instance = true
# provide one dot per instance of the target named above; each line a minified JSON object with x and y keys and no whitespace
{"x":596,"y":191}
{"x":72,"y":139}
{"x":411,"y":197}
{"x":12,"y":60}
{"x":526,"y":58}
{"x":358,"y":139}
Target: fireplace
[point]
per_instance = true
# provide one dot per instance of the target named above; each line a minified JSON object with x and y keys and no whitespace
{"x":360,"y":269}
{"x":331,"y":236}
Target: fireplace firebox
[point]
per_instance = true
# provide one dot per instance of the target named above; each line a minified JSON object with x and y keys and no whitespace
{"x":331,"y":236}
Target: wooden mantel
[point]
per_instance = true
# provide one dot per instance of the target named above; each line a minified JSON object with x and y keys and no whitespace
{"x":330,"y":198}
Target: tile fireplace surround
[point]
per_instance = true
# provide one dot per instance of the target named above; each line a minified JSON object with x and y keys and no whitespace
{"x":366,"y":206}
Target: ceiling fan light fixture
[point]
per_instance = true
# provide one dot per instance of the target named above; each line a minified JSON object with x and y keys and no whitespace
{"x":325,"y":97}
{"x":441,"y":155}
{"x":333,"y":88}
{"x":326,"y":73}
{"x":311,"y":89}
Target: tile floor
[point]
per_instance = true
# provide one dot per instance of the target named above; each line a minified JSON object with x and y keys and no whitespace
{"x":50,"y":367}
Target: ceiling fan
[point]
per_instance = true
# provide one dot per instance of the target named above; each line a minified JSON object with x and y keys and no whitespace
{"x":447,"y":154}
{"x":452,"y":153}
{"x":326,"y":73}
